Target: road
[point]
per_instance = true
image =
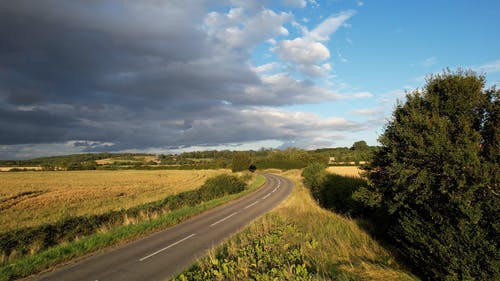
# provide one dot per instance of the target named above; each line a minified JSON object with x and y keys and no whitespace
{"x":167,"y":252}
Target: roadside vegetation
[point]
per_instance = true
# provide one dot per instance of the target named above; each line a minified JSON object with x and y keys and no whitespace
{"x":299,"y":241}
{"x":29,"y":250}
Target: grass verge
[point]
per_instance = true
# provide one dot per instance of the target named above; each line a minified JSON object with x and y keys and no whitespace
{"x":59,"y":254}
{"x":299,"y":241}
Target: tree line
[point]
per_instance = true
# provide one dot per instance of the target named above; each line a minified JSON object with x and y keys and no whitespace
{"x":289,"y":158}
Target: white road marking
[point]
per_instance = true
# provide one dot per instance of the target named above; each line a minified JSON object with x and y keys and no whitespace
{"x":251,"y":205}
{"x":221,"y":220}
{"x":171,"y":245}
{"x":266,"y":196}
{"x":274,"y":190}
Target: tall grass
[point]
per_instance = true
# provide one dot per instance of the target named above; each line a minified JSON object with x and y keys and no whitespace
{"x":299,"y":241}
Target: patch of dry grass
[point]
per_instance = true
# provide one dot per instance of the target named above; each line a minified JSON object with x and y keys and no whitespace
{"x":343,"y":245}
{"x":34,"y":198}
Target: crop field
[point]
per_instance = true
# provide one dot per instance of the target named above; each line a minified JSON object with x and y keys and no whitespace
{"x":350,"y":171}
{"x":34,"y":198}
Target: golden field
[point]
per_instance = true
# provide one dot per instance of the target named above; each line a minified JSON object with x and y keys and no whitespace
{"x":349,"y":171}
{"x":34,"y":198}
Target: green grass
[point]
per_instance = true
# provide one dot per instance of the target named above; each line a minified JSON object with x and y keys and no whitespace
{"x":299,"y":241}
{"x":51,"y":257}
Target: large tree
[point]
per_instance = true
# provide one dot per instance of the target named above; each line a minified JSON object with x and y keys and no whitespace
{"x":437,"y":176}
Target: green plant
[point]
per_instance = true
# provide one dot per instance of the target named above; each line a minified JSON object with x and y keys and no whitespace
{"x":314,"y":175}
{"x":437,"y":179}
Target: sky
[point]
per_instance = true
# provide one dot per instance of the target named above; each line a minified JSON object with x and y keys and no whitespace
{"x":170,"y":76}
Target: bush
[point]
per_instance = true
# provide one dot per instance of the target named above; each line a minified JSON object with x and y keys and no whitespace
{"x":336,"y":194}
{"x":333,"y":192}
{"x":436,"y":176}
{"x":221,"y":185}
{"x":314,"y":176}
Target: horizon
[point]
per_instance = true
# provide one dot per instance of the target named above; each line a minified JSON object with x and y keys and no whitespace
{"x":161,"y":77}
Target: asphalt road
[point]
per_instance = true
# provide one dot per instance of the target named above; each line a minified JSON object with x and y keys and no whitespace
{"x":166,"y":253}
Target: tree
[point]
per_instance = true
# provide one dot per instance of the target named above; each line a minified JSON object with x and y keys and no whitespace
{"x":241,"y":161}
{"x":360,"y":145}
{"x":252,"y":168}
{"x":437,"y":177}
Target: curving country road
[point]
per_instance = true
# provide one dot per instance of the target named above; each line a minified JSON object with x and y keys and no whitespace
{"x":166,"y":253}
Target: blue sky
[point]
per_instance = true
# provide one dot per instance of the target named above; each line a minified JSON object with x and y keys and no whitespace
{"x":388,"y":47}
{"x":167,"y":76}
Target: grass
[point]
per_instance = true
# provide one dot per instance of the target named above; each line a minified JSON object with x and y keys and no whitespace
{"x":49,"y":258}
{"x":35,"y":198}
{"x":299,"y":241}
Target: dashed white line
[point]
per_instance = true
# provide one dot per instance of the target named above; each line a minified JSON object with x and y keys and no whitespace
{"x":266,"y":196}
{"x":274,"y":190}
{"x":221,"y":220}
{"x":171,"y":245}
{"x":251,"y":205}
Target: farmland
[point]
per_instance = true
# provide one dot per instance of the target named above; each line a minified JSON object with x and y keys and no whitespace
{"x":34,"y":198}
{"x":346,"y":171}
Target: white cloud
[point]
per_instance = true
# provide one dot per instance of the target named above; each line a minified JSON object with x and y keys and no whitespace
{"x":296,"y":3}
{"x":309,"y":53}
{"x":428,"y":62}
{"x":303,"y":51}
{"x":366,"y":111}
{"x":243,"y":29}
{"x":323,"y":31}
{"x":315,"y":70}
{"x":489,"y":67}
{"x":266,"y":67}
{"x":282,"y":89}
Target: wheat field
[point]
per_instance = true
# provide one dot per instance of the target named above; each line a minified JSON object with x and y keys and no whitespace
{"x":34,"y":198}
{"x":349,"y":171}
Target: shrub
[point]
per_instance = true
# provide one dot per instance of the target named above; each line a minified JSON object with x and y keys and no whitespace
{"x":437,"y":177}
{"x":314,"y":175}
{"x":221,"y":185}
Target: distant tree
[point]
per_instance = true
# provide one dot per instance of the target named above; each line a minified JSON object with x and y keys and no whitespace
{"x":252,"y":168}
{"x":241,"y":161}
{"x":437,"y":176}
{"x":359,"y":145}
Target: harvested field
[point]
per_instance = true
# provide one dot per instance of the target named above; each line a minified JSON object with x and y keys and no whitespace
{"x":33,"y":198}
{"x":351,"y":171}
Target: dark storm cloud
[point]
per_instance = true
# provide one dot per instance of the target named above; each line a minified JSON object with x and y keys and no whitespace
{"x":134,"y":75}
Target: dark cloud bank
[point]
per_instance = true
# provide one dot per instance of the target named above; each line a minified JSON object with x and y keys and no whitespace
{"x":137,"y":75}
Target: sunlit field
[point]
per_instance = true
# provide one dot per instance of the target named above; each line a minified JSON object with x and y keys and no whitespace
{"x":350,"y":171}
{"x":34,"y":198}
